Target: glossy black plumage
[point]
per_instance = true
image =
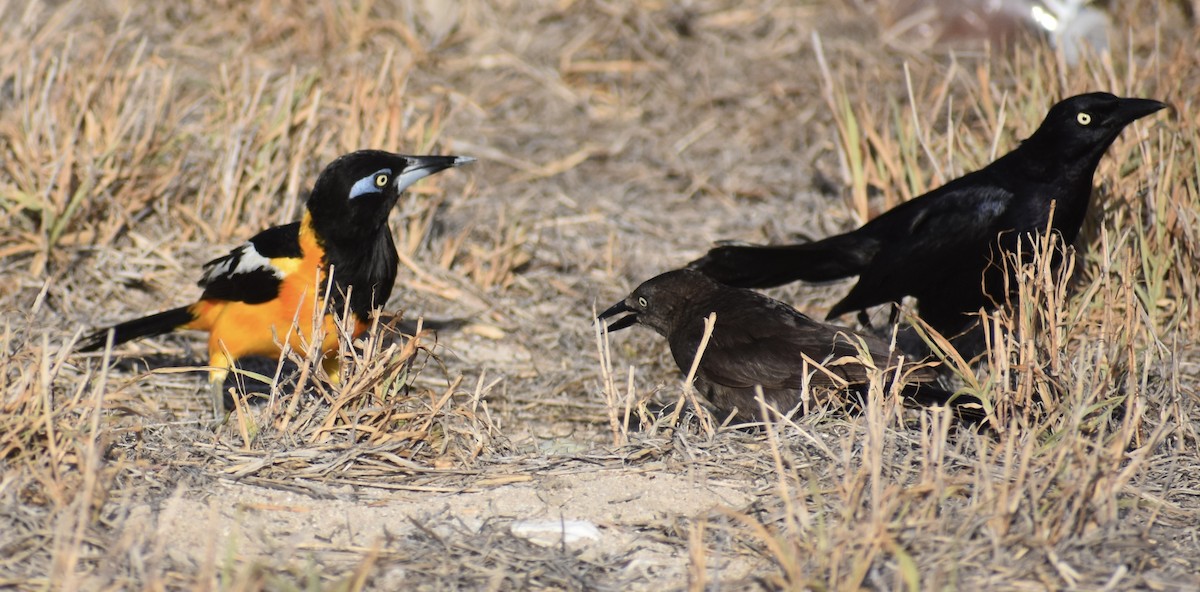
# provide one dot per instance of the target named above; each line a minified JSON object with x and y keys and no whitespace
{"x":354,"y":236}
{"x":759,"y":341}
{"x":943,"y":247}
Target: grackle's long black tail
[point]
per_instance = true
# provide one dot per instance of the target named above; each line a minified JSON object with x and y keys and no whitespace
{"x":751,"y":266}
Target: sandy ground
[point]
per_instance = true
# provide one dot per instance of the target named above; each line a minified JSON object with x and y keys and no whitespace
{"x":623,"y":511}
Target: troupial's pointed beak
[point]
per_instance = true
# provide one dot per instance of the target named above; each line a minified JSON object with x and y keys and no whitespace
{"x":420,"y":167}
{"x":628,"y":320}
{"x":1131,"y":109}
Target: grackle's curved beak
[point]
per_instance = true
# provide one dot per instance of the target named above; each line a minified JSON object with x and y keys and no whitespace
{"x":628,"y":320}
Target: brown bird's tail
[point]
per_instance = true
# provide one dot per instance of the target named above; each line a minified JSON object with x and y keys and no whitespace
{"x":155,"y":324}
{"x":965,"y":407}
{"x":762,"y":266}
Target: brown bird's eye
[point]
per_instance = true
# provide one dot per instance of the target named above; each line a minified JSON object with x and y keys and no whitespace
{"x":381,"y":179}
{"x":1083,"y":118}
{"x":642,"y":302}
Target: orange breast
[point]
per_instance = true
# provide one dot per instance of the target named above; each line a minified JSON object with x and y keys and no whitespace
{"x":238,"y":329}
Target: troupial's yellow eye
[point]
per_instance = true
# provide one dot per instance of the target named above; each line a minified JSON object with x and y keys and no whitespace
{"x":381,"y":179}
{"x":1083,"y":118}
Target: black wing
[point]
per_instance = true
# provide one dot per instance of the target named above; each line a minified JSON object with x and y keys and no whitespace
{"x":253,"y":272}
{"x":938,"y":242}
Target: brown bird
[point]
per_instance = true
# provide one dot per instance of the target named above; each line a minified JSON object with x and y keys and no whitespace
{"x":758,"y":341}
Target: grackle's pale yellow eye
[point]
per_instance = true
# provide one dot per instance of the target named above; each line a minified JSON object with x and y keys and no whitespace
{"x":642,"y":302}
{"x":1083,"y":118}
{"x":381,"y":179}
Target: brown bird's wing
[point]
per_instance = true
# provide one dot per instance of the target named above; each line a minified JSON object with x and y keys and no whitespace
{"x":759,"y":341}
{"x":765,"y":343}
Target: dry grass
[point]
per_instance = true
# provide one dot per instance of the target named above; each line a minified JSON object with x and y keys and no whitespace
{"x":616,"y":141}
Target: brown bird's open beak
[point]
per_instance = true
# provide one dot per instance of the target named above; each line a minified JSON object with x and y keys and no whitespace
{"x":628,"y":320}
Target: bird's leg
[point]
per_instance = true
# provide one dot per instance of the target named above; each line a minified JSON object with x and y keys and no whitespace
{"x":219,"y":365}
{"x":215,"y":393}
{"x":894,"y":316}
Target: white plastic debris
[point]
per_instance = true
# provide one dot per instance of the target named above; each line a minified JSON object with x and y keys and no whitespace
{"x":1072,"y":25}
{"x":554,"y":532}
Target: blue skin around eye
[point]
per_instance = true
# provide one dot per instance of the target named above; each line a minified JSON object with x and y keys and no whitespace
{"x":367,"y":184}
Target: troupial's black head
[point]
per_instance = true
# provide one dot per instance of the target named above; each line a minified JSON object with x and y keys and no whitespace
{"x":661,"y":302}
{"x":355,"y":193}
{"x":1084,"y":126}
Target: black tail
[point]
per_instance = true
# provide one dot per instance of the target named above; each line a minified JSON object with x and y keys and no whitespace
{"x":155,"y":324}
{"x":748,"y":266}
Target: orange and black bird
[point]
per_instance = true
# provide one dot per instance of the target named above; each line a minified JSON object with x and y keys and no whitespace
{"x":267,"y":292}
{"x":944,"y":248}
{"x":759,"y":342}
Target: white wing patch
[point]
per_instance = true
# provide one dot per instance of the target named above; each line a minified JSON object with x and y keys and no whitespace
{"x":244,"y":259}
